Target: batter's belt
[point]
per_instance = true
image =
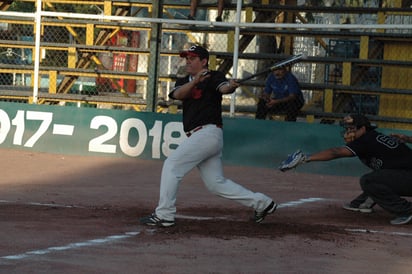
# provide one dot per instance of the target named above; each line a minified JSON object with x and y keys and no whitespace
{"x":189,"y":133}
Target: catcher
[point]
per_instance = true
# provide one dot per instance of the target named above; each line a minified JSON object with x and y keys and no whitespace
{"x":389,"y":158}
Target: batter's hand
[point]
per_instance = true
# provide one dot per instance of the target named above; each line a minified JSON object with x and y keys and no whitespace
{"x":233,"y":83}
{"x":230,"y":87}
{"x":201,"y":75}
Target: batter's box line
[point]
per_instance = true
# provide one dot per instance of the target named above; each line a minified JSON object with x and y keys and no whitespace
{"x":282,"y":205}
{"x":89,"y":243}
{"x":301,"y":201}
{"x":362,"y":230}
{"x":39,"y":204}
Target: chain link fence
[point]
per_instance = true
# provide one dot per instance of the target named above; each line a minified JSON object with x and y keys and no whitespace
{"x":125,"y":54}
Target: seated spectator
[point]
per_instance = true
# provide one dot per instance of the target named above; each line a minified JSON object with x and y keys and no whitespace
{"x":193,"y":8}
{"x":282,"y":95}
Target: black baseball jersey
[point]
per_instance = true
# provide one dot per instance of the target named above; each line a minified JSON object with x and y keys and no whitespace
{"x":380,"y":151}
{"x":205,"y":105}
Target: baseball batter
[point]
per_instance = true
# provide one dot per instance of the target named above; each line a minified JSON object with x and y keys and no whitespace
{"x":201,"y":93}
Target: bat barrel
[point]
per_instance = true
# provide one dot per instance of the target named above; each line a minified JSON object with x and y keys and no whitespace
{"x":286,"y":62}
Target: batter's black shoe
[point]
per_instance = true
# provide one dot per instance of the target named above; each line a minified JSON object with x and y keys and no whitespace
{"x":365,"y":207}
{"x":260,"y":216}
{"x":153,"y":220}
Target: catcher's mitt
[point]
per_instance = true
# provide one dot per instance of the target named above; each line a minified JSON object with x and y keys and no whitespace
{"x":293,"y":160}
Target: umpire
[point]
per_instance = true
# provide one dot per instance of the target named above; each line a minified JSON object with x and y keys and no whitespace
{"x":389,"y":158}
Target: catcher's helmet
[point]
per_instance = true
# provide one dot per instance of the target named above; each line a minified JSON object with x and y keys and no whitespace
{"x":358,"y":121}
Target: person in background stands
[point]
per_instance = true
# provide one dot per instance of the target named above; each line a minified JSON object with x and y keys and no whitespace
{"x":193,"y":8}
{"x":281,"y":94}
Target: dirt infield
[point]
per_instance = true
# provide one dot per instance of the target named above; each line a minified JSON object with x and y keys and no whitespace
{"x":70,"y":214}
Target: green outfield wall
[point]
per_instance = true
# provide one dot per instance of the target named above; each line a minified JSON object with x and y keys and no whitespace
{"x":144,"y":135}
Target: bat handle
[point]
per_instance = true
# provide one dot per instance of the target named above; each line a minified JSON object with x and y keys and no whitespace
{"x":244,"y":79}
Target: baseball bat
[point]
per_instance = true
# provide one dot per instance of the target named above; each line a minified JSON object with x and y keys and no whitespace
{"x":288,"y":61}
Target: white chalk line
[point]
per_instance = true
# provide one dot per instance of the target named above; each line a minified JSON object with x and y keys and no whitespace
{"x":361,"y":230}
{"x":288,"y":204}
{"x":39,"y":204}
{"x":300,"y":201}
{"x":70,"y":246}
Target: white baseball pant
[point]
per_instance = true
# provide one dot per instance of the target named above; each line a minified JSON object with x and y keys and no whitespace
{"x":203,"y":149}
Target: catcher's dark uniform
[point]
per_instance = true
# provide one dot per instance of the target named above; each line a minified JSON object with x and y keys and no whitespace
{"x":391,"y":177}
